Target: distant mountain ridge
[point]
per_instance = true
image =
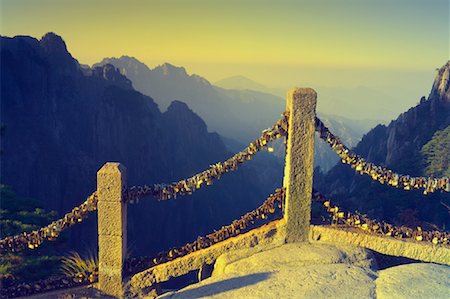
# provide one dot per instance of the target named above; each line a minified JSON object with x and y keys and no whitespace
{"x":359,"y":103}
{"x":238,"y":114}
{"x":228,"y":113}
{"x":398,"y":147}
{"x":241,"y":83}
{"x":155,"y":80}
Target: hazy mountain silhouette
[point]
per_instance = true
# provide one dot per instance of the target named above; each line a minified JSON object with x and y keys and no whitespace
{"x":364,"y":104}
{"x":220,"y":110}
{"x":238,"y":114}
{"x":398,"y":147}
{"x":241,"y":83}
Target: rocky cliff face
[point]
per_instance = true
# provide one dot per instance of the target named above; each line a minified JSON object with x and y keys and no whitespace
{"x":64,"y":121}
{"x":441,"y":85}
{"x":397,"y":147}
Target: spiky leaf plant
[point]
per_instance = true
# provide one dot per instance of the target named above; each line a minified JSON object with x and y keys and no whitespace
{"x":79,"y":268}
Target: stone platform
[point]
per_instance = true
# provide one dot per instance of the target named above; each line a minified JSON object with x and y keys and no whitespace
{"x":312,"y":270}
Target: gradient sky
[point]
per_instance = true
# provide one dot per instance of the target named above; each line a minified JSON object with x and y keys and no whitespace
{"x":347,"y":42}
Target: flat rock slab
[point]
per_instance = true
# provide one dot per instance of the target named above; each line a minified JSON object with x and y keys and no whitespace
{"x":414,"y":281}
{"x":300,"y":270}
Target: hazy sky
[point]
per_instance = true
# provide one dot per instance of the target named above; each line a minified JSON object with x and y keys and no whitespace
{"x":346,"y":43}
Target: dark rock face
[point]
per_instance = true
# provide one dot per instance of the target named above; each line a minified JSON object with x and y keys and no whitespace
{"x":64,"y":121}
{"x":397,"y":147}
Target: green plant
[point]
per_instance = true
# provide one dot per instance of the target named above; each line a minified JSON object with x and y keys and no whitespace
{"x":22,"y":214}
{"x":80,"y":268}
{"x":435,"y":154}
{"x":28,"y":267}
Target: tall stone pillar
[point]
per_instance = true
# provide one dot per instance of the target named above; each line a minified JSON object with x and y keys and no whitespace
{"x":112,"y":228}
{"x":299,"y":166}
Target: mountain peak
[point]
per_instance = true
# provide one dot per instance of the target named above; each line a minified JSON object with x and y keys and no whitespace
{"x":177,"y":105}
{"x":441,"y":85}
{"x":128,"y":66}
{"x":170,"y":69}
{"x":53,"y":43}
{"x":180,"y":113}
{"x":110,"y":73}
{"x":129,"y":58}
{"x":55,"y":51}
{"x":167,"y":69}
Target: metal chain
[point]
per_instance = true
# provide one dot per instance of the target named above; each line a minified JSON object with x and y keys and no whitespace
{"x":187,"y":186}
{"x":378,"y":173}
{"x":270,"y":205}
{"x":50,"y":232}
{"x":360,"y":221}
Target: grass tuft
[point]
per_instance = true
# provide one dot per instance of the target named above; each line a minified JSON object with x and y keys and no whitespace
{"x":79,"y":268}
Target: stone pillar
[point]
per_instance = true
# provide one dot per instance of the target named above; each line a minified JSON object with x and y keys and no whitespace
{"x":299,"y":166}
{"x":112,"y":228}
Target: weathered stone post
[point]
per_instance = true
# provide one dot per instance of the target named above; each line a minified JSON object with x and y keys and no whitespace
{"x":298,"y":171}
{"x":112,"y":228}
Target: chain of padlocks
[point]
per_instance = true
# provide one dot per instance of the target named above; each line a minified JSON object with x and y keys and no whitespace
{"x":378,"y":173}
{"x":50,"y":232}
{"x":276,"y":201}
{"x":273,"y":203}
{"x":132,"y":265}
{"x":366,"y":224}
{"x":189,"y":185}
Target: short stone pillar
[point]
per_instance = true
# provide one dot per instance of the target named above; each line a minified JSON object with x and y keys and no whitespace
{"x":299,"y":166}
{"x":112,"y":228}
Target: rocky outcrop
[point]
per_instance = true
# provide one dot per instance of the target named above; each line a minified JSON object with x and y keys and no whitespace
{"x":306,"y":270}
{"x":300,"y":270}
{"x":441,"y":85}
{"x":415,"y":280}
